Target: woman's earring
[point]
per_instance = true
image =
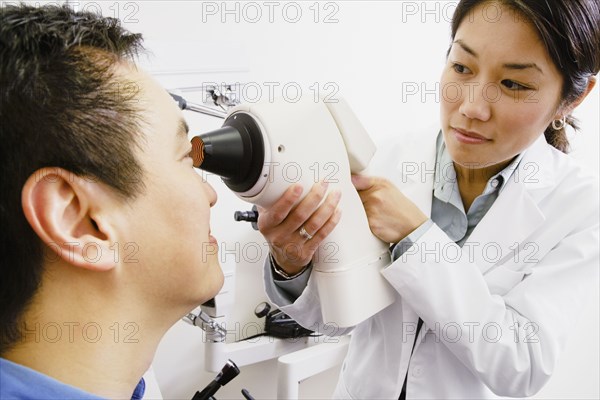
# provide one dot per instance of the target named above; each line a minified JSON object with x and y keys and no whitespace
{"x":559,"y":124}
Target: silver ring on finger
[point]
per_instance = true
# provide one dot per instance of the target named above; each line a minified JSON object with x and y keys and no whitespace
{"x":305,"y":234}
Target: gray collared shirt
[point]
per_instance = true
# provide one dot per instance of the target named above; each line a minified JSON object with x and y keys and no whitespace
{"x":447,"y":209}
{"x":447,"y":212}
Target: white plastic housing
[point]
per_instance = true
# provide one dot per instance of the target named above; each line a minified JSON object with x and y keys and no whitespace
{"x":310,"y":142}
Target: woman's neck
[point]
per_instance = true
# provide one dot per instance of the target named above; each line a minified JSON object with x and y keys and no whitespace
{"x":472,"y":181}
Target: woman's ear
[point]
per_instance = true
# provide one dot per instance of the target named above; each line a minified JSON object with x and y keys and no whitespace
{"x":64,"y":211}
{"x":568,"y":108}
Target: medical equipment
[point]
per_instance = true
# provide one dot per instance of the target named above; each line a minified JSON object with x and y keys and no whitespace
{"x":279,"y":324}
{"x":214,"y":331}
{"x":248,"y":216}
{"x":264,"y":347}
{"x":227,"y":373}
{"x":264,"y":148}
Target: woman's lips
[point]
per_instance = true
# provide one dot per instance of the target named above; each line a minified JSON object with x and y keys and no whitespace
{"x":468,"y":137}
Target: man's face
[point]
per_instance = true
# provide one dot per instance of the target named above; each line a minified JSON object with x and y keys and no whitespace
{"x":168,"y":225}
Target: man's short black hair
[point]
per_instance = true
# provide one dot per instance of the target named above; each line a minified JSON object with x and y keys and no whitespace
{"x":61,"y":105}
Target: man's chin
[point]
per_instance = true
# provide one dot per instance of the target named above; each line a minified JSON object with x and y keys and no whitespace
{"x":220,"y":279}
{"x":215,"y":279}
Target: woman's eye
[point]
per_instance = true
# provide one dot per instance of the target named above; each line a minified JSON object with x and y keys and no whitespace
{"x":460,"y":69}
{"x":512,"y":85}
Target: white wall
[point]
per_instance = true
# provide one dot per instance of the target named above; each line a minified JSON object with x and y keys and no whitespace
{"x":371,"y":53}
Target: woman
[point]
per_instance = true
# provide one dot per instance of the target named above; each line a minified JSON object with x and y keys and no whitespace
{"x":493,"y":259}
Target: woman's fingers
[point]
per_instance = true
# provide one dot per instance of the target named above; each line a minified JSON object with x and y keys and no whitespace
{"x":362,"y":182}
{"x":324,"y":231}
{"x":278,"y":212}
{"x":307,"y":207}
{"x":323,"y":214}
{"x":294,"y":230}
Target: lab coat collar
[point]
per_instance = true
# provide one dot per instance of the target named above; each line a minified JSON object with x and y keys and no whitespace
{"x":515,"y":212}
{"x":416,"y":165}
{"x":534,"y":171}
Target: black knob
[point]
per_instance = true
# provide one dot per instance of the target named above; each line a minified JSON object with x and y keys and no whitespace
{"x":262,"y":309}
{"x":249,"y":216}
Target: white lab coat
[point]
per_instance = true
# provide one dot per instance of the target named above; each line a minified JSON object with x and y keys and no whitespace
{"x":497,"y":312}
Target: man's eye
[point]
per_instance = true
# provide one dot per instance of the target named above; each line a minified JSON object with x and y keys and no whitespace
{"x":188,"y":158}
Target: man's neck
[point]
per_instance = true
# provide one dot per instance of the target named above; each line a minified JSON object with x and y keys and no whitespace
{"x":102,"y":357}
{"x":84,"y":335}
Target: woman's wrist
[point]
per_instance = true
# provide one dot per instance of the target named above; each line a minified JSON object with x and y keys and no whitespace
{"x":286,"y":273}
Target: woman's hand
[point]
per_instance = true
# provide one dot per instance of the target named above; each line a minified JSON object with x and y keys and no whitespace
{"x":282,"y":225}
{"x":392,"y":216}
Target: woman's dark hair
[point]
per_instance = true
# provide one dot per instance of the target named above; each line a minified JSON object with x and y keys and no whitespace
{"x":61,"y":105}
{"x":570,"y":30}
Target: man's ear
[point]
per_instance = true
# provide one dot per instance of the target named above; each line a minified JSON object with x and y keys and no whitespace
{"x":65,"y":211}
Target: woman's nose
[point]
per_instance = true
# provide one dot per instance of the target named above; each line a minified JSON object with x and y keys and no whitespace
{"x":476,"y":101}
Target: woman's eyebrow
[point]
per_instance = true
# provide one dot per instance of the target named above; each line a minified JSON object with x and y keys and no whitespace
{"x":466,"y":48}
{"x":511,"y":65}
{"x":522,"y":66}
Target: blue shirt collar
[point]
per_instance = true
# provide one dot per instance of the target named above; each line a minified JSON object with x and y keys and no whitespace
{"x":20,"y":382}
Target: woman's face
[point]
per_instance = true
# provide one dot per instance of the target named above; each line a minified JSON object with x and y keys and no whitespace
{"x":500,"y":89}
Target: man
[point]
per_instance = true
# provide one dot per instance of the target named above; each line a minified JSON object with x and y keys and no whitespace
{"x":105,"y":239}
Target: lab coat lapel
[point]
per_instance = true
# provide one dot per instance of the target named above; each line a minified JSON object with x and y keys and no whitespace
{"x":510,"y":221}
{"x":415,"y":173}
{"x":515,"y":213}
{"x":416,"y":167}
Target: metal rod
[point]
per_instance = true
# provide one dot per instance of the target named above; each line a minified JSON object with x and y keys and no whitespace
{"x":214,"y":331}
{"x":202,"y":109}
